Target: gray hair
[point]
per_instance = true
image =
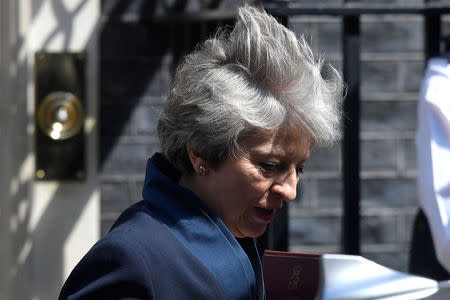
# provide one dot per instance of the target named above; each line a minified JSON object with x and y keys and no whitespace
{"x":257,"y":77}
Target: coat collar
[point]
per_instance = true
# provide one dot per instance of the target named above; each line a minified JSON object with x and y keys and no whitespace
{"x":198,"y":229}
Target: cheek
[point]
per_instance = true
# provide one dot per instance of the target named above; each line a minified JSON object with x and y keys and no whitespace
{"x":246,"y":186}
{"x":261,"y":187}
{"x":256,"y":188}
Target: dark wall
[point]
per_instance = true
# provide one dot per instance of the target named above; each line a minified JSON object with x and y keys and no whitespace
{"x":135,"y":62}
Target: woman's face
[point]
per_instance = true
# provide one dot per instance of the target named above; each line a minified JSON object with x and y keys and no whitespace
{"x":245,"y":192}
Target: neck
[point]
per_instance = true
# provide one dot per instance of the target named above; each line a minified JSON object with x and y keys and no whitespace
{"x":191,"y":182}
{"x":198,"y":185}
{"x":187,"y":182}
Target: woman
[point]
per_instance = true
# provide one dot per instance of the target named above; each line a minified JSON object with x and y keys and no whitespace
{"x":242,"y":114}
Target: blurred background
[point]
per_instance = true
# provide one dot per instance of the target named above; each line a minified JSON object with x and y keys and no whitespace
{"x":102,"y":69}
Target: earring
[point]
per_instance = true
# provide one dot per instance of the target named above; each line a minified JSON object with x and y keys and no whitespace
{"x":203,"y":170}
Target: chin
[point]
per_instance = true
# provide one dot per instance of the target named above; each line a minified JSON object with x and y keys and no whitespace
{"x":248,"y":230}
{"x":255,"y":232}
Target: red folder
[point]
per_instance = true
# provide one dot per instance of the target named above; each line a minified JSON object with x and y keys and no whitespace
{"x":291,"y":275}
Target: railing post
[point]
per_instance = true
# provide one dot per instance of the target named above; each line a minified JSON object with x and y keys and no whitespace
{"x":351,"y":143}
{"x":432,"y":32}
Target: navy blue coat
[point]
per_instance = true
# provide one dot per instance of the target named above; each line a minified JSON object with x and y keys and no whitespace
{"x":168,"y":246}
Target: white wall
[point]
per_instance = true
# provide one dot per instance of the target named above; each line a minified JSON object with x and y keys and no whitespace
{"x":65,"y":218}
{"x":50,"y":225}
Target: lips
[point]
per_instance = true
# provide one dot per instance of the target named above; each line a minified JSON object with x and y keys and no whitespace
{"x":265,"y":215}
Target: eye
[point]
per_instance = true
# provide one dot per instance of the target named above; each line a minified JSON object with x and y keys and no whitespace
{"x":268,"y":167}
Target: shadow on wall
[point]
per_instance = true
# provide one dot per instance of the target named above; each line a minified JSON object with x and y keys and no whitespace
{"x":38,"y":229}
{"x":39,"y":232}
{"x":138,"y":56}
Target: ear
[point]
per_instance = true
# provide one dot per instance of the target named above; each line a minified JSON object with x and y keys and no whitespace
{"x":196,"y":160}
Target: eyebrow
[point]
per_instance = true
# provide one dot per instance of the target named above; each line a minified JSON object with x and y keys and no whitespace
{"x":280,"y":154}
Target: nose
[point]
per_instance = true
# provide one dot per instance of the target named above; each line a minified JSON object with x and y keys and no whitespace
{"x":286,"y":185}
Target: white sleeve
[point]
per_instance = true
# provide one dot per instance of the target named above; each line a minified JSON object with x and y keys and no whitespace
{"x":433,"y":155}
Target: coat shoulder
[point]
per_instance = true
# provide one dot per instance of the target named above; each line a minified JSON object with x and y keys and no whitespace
{"x":139,"y":258}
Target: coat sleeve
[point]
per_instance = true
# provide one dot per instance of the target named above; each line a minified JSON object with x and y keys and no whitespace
{"x":110,"y":270}
{"x":433,"y":155}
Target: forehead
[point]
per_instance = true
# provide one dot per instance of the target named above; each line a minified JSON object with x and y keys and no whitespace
{"x":287,"y":140}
